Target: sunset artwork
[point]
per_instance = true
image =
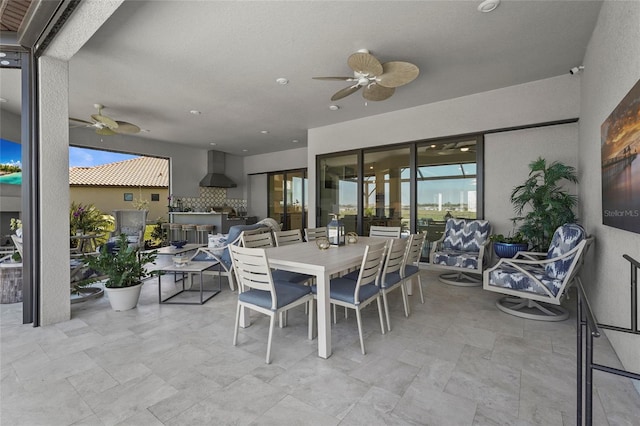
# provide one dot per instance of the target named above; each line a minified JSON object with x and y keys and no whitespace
{"x":620,"y":139}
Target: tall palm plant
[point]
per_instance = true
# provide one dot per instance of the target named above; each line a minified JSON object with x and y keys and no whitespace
{"x":542,"y":204}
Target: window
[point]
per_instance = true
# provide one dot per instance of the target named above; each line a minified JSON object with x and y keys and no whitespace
{"x":288,"y":198}
{"x":155,"y":197}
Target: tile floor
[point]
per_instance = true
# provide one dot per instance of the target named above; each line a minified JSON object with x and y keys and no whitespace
{"x":456,"y":360}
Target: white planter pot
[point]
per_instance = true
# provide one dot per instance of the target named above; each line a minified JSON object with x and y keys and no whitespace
{"x":124,"y":298}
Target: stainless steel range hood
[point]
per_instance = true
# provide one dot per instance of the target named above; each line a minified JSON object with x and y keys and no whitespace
{"x":215,"y":172}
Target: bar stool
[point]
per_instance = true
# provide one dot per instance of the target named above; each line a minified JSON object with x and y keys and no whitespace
{"x":166,"y":230}
{"x":186,"y":230}
{"x":202,"y":233}
{"x":175,"y":231}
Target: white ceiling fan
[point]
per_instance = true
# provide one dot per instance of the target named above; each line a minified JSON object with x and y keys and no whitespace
{"x":106,"y":126}
{"x":378,"y":80}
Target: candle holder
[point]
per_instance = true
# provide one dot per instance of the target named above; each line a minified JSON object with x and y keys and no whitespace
{"x":322,"y":243}
{"x":352,"y":238}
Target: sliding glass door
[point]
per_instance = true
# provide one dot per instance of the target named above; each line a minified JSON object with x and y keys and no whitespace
{"x":288,"y":198}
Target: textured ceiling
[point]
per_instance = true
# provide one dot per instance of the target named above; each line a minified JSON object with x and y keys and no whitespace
{"x":154,"y":61}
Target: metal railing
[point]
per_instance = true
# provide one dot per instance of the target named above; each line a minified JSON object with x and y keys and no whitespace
{"x":587,"y":321}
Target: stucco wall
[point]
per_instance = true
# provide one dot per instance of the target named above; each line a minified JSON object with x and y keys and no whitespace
{"x":612,"y":67}
{"x":109,"y":199}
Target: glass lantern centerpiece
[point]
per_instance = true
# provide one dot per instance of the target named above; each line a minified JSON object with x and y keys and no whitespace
{"x":335,"y":231}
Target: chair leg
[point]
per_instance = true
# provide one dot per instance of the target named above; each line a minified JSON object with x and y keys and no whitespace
{"x":272,"y":323}
{"x":235,"y":330}
{"x":359,"y":319}
{"x":231,"y":282}
{"x":386,"y":309}
{"x":335,"y":315}
{"x":379,"y":300}
{"x":405,"y":301}
{"x":420,"y":289}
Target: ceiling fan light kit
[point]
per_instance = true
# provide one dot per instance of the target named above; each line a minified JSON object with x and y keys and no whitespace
{"x":106,"y":126}
{"x":377,"y":80}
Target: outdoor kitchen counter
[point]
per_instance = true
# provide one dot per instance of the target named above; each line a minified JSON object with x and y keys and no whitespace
{"x":219,"y":220}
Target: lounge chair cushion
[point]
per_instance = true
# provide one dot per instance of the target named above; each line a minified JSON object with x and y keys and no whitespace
{"x":466,"y":235}
{"x":509,"y":277}
{"x":565,"y":239}
{"x":457,"y":258}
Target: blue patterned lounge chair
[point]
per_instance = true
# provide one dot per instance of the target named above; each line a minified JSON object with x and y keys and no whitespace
{"x":461,"y":251}
{"x":535,"y":283}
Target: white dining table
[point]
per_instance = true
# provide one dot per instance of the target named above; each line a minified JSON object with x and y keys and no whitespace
{"x":307,"y":258}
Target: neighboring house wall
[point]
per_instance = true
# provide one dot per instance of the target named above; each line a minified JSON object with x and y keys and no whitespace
{"x":612,"y":67}
{"x":108,"y":199}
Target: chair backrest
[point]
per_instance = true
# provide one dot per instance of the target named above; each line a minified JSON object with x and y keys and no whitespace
{"x":414,"y":249}
{"x":130,"y":222}
{"x":252,"y":270}
{"x":260,"y":240}
{"x":234,"y":238}
{"x":310,"y":234}
{"x":396,"y":251}
{"x":370,"y":267}
{"x":385,"y":231}
{"x":284,"y":238}
{"x":466,"y":234}
{"x":565,"y":239}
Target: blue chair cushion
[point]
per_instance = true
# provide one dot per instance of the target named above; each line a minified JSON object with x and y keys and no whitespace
{"x":457,"y":258}
{"x":565,"y":238}
{"x":290,"y":277}
{"x":509,"y":277}
{"x":286,"y":293}
{"x":411,"y":270}
{"x":390,"y":279}
{"x":343,"y":289}
{"x":353,"y":275}
{"x":466,"y":235}
{"x":234,"y":233}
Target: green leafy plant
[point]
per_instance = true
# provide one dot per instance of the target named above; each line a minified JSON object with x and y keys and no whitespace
{"x":542,"y":204}
{"x":124,"y":266}
{"x":87,"y":218}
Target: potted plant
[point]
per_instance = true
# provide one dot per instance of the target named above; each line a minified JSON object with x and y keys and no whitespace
{"x":510,"y":245}
{"x":542,"y":204}
{"x":124,"y":268}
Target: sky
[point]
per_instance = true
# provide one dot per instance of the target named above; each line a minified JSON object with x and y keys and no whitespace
{"x":78,"y":157}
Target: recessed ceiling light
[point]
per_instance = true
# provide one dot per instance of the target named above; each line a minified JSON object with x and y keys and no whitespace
{"x":282,"y":81}
{"x":295,"y":141}
{"x":488,"y":6}
{"x":213,"y":143}
{"x":334,"y":107}
{"x":195,"y":112}
{"x":245,"y":150}
{"x":3,"y":100}
{"x":464,"y":149}
{"x":433,"y":146}
{"x":264,"y":132}
{"x":371,"y":167}
{"x":5,"y":62}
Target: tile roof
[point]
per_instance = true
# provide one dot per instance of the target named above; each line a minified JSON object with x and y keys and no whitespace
{"x":140,"y":171}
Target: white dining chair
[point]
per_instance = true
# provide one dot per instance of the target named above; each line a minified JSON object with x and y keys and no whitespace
{"x":284,"y":238}
{"x":391,"y":278}
{"x":410,"y":269}
{"x":357,"y":294}
{"x":385,"y":231}
{"x":260,"y":292}
{"x":311,"y":234}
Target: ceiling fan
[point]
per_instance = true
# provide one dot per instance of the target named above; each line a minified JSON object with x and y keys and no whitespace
{"x":107,"y":126}
{"x":379,"y":80}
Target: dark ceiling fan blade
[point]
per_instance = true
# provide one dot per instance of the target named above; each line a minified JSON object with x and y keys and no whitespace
{"x":335,"y":78}
{"x":345,"y":92}
{"x":81,"y":121}
{"x":124,"y":127}
{"x":375,"y":92}
{"x":397,"y":73}
{"x":365,"y":63}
